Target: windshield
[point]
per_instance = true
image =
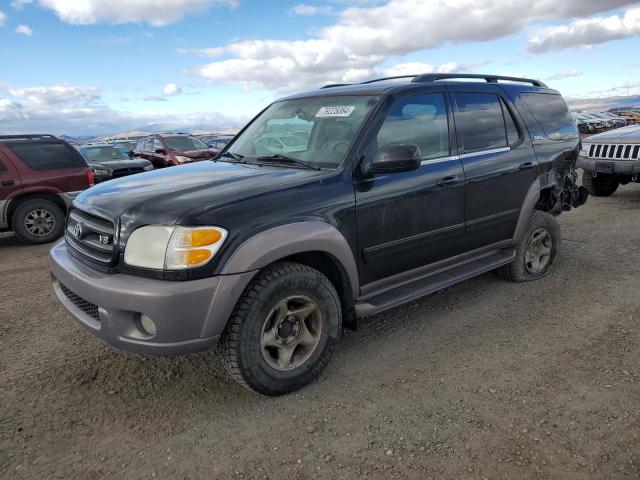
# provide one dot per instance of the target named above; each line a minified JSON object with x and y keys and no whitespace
{"x":184,"y":143}
{"x":317,"y":131}
{"x":127,"y":145}
{"x":101,"y":154}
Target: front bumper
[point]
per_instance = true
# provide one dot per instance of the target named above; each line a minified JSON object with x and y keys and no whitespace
{"x":616,"y":167}
{"x":109,"y":305}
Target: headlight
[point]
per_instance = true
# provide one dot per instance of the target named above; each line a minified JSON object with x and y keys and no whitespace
{"x":585,"y":149}
{"x":173,"y":248}
{"x":147,"y":167}
{"x":181,"y":159}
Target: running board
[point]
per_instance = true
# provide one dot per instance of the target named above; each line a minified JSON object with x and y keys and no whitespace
{"x":432,"y":282}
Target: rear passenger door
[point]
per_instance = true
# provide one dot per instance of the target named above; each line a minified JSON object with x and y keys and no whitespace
{"x":499,"y":163}
{"x":411,"y":219}
{"x":9,"y":184}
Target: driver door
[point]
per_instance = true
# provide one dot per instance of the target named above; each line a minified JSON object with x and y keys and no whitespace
{"x":411,"y":219}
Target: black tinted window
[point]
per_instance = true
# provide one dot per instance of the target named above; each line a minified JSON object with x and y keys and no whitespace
{"x":421,"y":120}
{"x":47,"y":156}
{"x":513,"y":135}
{"x":2,"y":168}
{"x":552,"y":114}
{"x":480,"y":121}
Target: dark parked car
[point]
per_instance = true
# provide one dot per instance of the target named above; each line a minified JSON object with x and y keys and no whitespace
{"x":39,"y":177}
{"x":272,"y":254}
{"x":108,"y":162}
{"x":170,"y":149}
{"x":610,"y":159}
{"x":126,"y":146}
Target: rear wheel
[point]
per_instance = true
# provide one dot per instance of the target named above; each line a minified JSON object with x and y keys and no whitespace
{"x":536,"y":252}
{"x":38,"y":221}
{"x":283,"y":330}
{"x":602,"y":185}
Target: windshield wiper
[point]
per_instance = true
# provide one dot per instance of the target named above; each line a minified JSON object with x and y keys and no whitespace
{"x":279,"y":158}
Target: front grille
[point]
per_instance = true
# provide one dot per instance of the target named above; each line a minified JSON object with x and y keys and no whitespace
{"x":84,"y":305}
{"x":123,"y":172}
{"x":615,"y":151}
{"x":91,"y":236}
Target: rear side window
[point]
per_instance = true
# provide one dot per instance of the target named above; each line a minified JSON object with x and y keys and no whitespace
{"x":552,"y":114}
{"x":480,"y":121}
{"x":47,"y":156}
{"x":421,"y":120}
{"x":2,"y":167}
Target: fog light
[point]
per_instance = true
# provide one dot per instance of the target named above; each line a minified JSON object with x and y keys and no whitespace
{"x":147,"y":324}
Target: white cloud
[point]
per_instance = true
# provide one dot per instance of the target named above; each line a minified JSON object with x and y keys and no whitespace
{"x":171,"y":90}
{"x":363,"y":38}
{"x":563,"y":75}
{"x":24,"y":30}
{"x":79,"y":110}
{"x":3,"y":18}
{"x":308,"y":10}
{"x":153,"y":12}
{"x":586,"y":32}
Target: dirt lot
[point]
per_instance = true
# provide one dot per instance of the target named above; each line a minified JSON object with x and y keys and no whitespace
{"x":484,"y":380}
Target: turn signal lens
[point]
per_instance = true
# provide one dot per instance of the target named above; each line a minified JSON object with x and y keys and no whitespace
{"x":204,"y":237}
{"x":197,"y":257}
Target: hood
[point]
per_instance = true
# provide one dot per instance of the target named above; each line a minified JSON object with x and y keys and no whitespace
{"x":164,"y":196}
{"x":630,"y":134}
{"x":118,"y":164}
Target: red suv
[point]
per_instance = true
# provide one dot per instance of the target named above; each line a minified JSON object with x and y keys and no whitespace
{"x":168,"y":149}
{"x":39,"y":177}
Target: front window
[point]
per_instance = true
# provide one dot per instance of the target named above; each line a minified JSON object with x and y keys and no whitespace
{"x":184,"y":143}
{"x":102,"y":154}
{"x":316,"y":131}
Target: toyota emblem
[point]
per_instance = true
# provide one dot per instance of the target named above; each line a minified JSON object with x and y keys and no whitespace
{"x":77,"y":230}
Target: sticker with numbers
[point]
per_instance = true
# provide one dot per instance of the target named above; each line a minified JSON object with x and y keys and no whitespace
{"x":337,"y":111}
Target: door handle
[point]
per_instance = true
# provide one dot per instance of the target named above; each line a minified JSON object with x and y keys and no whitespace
{"x":528,"y":165}
{"x":7,"y":183}
{"x":448,"y":180}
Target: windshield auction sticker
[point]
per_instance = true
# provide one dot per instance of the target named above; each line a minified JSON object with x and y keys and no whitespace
{"x":337,"y":111}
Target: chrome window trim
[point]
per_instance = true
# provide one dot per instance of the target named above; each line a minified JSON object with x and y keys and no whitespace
{"x":464,"y":155}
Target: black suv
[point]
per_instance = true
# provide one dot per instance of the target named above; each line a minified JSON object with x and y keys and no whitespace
{"x":401,"y":187}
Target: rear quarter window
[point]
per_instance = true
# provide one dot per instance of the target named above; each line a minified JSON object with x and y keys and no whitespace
{"x":47,"y":156}
{"x":552,"y":114}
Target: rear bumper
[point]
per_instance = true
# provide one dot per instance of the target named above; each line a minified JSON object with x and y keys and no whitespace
{"x":109,"y":305}
{"x":617,"y":167}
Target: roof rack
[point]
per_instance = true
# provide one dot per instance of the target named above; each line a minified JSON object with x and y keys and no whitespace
{"x":434,"y":77}
{"x":34,"y":136}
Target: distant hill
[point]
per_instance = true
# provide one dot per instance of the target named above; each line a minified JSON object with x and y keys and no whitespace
{"x":604,"y":103}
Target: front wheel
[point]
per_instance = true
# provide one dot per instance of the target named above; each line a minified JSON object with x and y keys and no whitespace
{"x":536,"y":252}
{"x":283,"y":330}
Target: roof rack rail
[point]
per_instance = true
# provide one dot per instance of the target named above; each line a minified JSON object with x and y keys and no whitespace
{"x":434,"y":77}
{"x":34,"y":136}
{"x":386,"y":78}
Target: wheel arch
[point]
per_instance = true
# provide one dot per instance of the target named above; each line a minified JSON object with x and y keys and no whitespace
{"x":315,"y":244}
{"x":15,"y":202}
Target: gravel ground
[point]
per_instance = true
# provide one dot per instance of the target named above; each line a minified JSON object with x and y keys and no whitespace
{"x":487,"y":379}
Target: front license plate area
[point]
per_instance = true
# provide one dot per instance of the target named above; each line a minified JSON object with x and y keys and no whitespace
{"x":604,"y":167}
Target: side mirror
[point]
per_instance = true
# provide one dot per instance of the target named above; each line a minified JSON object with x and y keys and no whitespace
{"x":161,"y":151}
{"x":396,"y":157}
{"x":131,"y":154}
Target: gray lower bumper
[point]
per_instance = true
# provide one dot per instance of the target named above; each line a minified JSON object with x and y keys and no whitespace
{"x":620,"y":167}
{"x":187,"y":318}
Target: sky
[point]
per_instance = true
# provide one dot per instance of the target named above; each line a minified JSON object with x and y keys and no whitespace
{"x":89,"y":67}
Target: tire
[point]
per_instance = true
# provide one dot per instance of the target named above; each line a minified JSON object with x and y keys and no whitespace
{"x":541,"y":240}
{"x":38,"y":221}
{"x":258,"y":338}
{"x":601,"y":186}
